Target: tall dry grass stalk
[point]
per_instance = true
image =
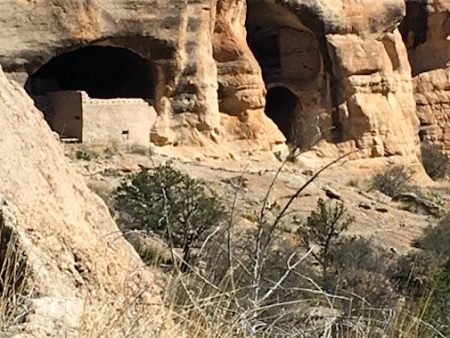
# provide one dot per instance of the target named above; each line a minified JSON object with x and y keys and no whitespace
{"x":15,"y":287}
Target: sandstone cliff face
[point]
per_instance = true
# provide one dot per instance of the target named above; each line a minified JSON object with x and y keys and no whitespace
{"x":333,"y":71}
{"x":160,"y":31}
{"x":426,"y":32}
{"x":72,"y":246}
{"x":351,"y":75}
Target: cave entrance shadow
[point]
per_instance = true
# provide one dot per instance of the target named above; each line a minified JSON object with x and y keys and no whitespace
{"x":102,"y":72}
{"x":281,"y":107}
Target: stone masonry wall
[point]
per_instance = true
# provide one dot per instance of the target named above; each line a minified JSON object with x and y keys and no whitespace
{"x":119,"y":120}
{"x":76,"y":115}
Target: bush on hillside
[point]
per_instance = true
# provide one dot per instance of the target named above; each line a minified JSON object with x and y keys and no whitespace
{"x":424,"y":276}
{"x":171,"y":204}
{"x":260,"y":282}
{"x":393,"y":181}
{"x":323,"y":228}
{"x":413,"y":272}
{"x":360,"y":269}
{"x":436,"y":239}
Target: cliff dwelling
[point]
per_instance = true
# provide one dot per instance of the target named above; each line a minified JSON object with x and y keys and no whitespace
{"x":291,"y":63}
{"x":97,"y":93}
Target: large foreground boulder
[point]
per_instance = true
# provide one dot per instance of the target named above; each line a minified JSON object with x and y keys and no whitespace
{"x":79,"y":266}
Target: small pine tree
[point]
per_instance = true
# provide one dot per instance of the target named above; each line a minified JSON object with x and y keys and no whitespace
{"x":323,"y":228}
{"x":170,"y":204}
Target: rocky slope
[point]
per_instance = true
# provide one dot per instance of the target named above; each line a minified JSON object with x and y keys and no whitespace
{"x":76,"y":257}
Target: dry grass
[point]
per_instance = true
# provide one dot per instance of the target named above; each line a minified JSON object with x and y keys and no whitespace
{"x":273,"y":307}
{"x":15,"y":288}
{"x":105,"y":150}
{"x":138,"y":149}
{"x":216,"y":315}
{"x":128,"y":317}
{"x":195,"y":305}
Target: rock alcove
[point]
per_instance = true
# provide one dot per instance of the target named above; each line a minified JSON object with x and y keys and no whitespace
{"x":291,"y":64}
{"x":97,"y":93}
{"x":102,"y":72}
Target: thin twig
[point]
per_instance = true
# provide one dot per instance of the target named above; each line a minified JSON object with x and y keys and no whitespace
{"x":286,"y":274}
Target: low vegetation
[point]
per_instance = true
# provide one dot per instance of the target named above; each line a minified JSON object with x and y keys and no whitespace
{"x":171,"y":205}
{"x":288,"y":276}
{"x":393,"y":181}
{"x":262,"y":283}
{"x":15,"y":290}
{"x":323,"y":228}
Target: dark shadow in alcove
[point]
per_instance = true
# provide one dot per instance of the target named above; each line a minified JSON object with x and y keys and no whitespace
{"x":281,"y":107}
{"x":103,"y":72}
{"x":265,"y":47}
{"x":265,"y":23}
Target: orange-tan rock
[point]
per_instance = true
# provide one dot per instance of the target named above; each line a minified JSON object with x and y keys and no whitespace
{"x":258,"y":70}
{"x":74,"y":251}
{"x":426,"y":31}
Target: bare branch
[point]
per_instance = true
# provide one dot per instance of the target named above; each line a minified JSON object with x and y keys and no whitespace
{"x":286,"y":274}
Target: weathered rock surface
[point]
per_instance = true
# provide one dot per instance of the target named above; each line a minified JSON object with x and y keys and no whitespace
{"x":346,"y":67}
{"x":333,"y":71}
{"x":426,"y":32}
{"x":73,"y":248}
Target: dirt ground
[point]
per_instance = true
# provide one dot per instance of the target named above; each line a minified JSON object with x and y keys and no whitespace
{"x":249,"y":178}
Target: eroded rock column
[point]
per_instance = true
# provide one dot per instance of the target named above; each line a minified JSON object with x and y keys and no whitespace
{"x":241,"y":90}
{"x":426,"y":32}
{"x":376,"y":105}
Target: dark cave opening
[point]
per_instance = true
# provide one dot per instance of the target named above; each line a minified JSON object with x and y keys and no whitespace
{"x":414,"y":27}
{"x":289,"y":60}
{"x":102,"y":72}
{"x":264,"y":43}
{"x":281,"y":103}
{"x":292,"y":51}
{"x":281,"y":107}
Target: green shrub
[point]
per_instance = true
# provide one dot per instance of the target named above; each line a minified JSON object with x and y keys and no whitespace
{"x":352,"y":267}
{"x":170,"y":204}
{"x":435,"y":162}
{"x":438,"y":305}
{"x":426,"y":283}
{"x":359,"y":271}
{"x":413,"y":273}
{"x":84,"y":154}
{"x":393,"y":181}
{"x":359,"y":254}
{"x":436,"y":239}
{"x":138,"y":149}
{"x":424,"y":276}
{"x":323,"y":228}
